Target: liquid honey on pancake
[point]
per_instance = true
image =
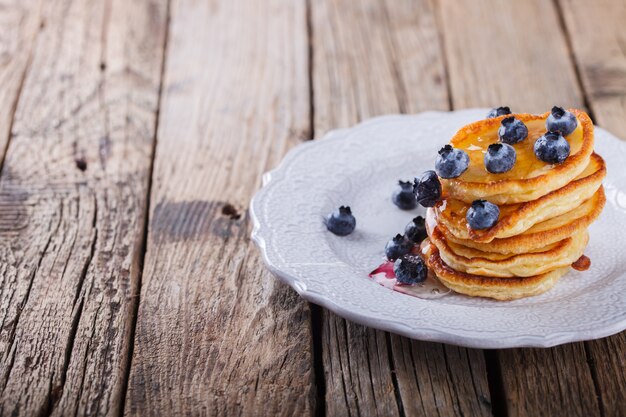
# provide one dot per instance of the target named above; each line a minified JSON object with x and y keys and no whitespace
{"x":455,"y":210}
{"x":526,"y":165}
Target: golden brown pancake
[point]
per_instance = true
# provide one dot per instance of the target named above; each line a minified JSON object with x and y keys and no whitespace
{"x":541,"y":234}
{"x":530,"y":177}
{"x":544,"y":212}
{"x":545,"y":259}
{"x":496,"y":288}
{"x":517,"y":218}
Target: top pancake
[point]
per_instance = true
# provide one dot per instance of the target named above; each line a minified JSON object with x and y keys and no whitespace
{"x":530,"y":178}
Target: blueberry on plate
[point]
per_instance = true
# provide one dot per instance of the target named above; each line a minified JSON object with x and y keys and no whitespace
{"x":499,"y":158}
{"x":427,"y":189}
{"x":403,"y":196}
{"x":415,"y":231}
{"x":552,"y":148}
{"x":498,"y":111}
{"x":512,"y":130}
{"x":341,"y":221}
{"x":482,"y":215}
{"x":561,"y":121}
{"x":397,"y":247}
{"x":410,"y":269}
{"x":451,"y":162}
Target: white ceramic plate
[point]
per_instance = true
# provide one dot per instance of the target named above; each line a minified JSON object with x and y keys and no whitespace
{"x":360,"y":167}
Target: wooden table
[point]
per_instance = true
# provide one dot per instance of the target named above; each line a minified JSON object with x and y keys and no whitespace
{"x":132,"y":136}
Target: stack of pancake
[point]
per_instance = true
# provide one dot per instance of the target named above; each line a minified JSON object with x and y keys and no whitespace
{"x":545,"y":211}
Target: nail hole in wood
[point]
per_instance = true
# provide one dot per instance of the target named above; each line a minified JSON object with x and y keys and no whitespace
{"x":230,"y":211}
{"x":81,"y":164}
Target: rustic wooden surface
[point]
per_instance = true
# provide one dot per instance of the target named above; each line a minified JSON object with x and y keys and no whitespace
{"x":132,"y":136}
{"x":250,"y":348}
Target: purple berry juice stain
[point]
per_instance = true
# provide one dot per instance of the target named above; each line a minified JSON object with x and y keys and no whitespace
{"x":430,"y":289}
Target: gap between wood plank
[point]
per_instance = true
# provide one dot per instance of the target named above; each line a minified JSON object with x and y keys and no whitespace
{"x":444,"y":56}
{"x":594,"y":377}
{"x":318,"y":360}
{"x":309,"y":31}
{"x":496,"y":387}
{"x":398,"y":82}
{"x":146,"y":221}
{"x":570,"y":51}
{"x":568,"y":41}
{"x":316,"y":311}
{"x":394,"y":377}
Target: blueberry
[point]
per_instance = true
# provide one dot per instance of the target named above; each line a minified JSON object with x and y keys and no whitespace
{"x":450,"y":162}
{"x":552,"y":148}
{"x":498,"y":111}
{"x":397,"y":247}
{"x":403,"y":197}
{"x":341,"y":221}
{"x":482,"y":215}
{"x":561,"y":121}
{"x":499,"y":158}
{"x":416,"y":230}
{"x":512,"y":130}
{"x":410,"y":269}
{"x":427,"y":189}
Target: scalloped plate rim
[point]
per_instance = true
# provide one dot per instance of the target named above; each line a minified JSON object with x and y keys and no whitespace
{"x":383,"y":323}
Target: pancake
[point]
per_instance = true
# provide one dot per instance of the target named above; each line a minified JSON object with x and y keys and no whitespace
{"x":497,"y":288}
{"x":530,"y":177}
{"x":517,"y":218}
{"x":541,"y":234}
{"x":542,"y":260}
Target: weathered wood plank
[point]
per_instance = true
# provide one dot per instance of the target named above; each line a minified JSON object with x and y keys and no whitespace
{"x":372,"y":58}
{"x":598,"y":42}
{"x":507,"y":52}
{"x":75,"y":184}
{"x":216,"y":333}
{"x":522,"y":61}
{"x":450,"y":380}
{"x":20,"y":21}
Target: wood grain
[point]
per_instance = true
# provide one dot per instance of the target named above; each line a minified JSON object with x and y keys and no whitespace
{"x":507,"y":63}
{"x":20,"y":21}
{"x":217,"y":334}
{"x":74,"y":184}
{"x":601,"y":57}
{"x":502,"y":52}
{"x":372,"y":58}
{"x":600,"y":53}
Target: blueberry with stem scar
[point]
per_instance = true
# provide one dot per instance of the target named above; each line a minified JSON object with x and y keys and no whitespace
{"x":498,"y":111}
{"x":561,"y":121}
{"x":397,"y":247}
{"x":552,"y":148}
{"x":403,"y":196}
{"x":512,"y":130}
{"x":499,"y":158}
{"x":482,"y":215}
{"x":410,"y":269}
{"x":341,"y":221}
{"x":427,"y":189}
{"x":451,"y":162}
{"x":415,"y":231}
